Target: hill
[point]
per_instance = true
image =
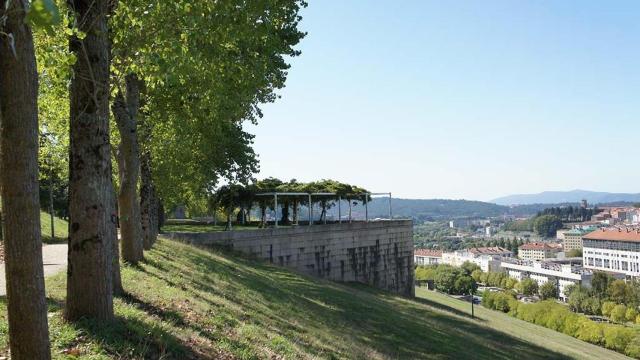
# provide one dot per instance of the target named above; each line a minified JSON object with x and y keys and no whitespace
{"x":434,"y":208}
{"x":574,"y":196}
{"x":188,"y":303}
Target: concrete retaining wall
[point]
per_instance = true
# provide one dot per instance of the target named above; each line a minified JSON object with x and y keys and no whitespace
{"x":378,"y":253}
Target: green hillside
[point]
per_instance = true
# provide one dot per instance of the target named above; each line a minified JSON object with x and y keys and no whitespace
{"x":188,"y":303}
{"x":60,"y":227}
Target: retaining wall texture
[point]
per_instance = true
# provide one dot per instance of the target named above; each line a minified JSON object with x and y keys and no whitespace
{"x":378,"y":253}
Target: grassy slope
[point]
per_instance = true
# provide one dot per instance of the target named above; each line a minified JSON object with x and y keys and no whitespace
{"x":191,"y":303}
{"x":60,"y":226}
{"x":532,"y":333}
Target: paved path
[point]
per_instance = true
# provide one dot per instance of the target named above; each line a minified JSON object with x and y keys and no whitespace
{"x":54,"y":258}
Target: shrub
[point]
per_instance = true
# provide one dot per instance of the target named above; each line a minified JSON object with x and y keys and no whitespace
{"x":549,"y":290}
{"x":631,"y":314}
{"x":633,"y":348}
{"x":528,"y":287}
{"x":607,"y":306}
{"x":617,"y":337}
{"x":590,"y":331}
{"x":619,"y":313}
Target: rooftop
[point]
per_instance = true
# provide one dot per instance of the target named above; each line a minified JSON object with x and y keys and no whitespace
{"x":427,"y":252}
{"x":494,"y":250}
{"x":539,"y":246}
{"x":623,"y":233}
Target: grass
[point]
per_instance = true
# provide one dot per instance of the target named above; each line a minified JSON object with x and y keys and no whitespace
{"x":523,"y":330}
{"x":188,"y":303}
{"x":61,"y":229}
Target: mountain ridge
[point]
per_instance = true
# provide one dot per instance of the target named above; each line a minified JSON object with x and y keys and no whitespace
{"x":572,"y":196}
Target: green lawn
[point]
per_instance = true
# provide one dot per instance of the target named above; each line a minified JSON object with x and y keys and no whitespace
{"x":60,"y":226}
{"x":187,"y":303}
{"x":523,"y":330}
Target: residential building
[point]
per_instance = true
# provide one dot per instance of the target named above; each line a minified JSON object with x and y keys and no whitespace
{"x":561,"y":273}
{"x":427,"y":257}
{"x":539,"y":251}
{"x":615,"y":249}
{"x":487,"y":258}
{"x":573,"y":239}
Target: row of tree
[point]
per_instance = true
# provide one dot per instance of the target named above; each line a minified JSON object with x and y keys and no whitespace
{"x":242,"y":198}
{"x":558,"y":317}
{"x":177,"y":78}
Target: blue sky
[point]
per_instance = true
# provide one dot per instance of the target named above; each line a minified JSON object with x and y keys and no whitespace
{"x":461,"y":99}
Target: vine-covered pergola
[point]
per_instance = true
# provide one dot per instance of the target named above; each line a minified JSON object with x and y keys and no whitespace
{"x":335,"y":196}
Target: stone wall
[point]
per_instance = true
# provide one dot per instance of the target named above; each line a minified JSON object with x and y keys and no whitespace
{"x":378,"y":253}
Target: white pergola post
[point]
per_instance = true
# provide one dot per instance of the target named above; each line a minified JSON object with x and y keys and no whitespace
{"x":366,"y":207}
{"x":339,"y":209}
{"x":275,"y":208}
{"x":310,"y":211}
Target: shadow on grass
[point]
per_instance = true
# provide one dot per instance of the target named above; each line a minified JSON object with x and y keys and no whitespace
{"x":369,"y":318}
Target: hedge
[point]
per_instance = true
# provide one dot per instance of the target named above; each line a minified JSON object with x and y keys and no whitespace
{"x":558,"y":317}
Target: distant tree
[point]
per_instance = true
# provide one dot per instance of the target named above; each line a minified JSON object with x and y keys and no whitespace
{"x":528,"y":287}
{"x":618,"y":291}
{"x":549,"y":290}
{"x":469,"y":267}
{"x":465,"y":284}
{"x":600,"y":283}
{"x":574,"y":253}
{"x":547,"y":225}
{"x":477,"y":275}
{"x":619,"y":313}
{"x":607,"y":307}
{"x":631,"y":314}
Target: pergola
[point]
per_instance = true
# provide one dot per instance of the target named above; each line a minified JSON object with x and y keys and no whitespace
{"x":310,"y":195}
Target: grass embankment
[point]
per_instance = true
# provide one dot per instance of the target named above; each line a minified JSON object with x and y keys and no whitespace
{"x":185,"y":302}
{"x":538,"y":335}
{"x":60,"y":228}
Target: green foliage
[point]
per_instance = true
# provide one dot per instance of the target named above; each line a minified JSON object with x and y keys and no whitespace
{"x":618,"y":291}
{"x":43,"y":14}
{"x":528,"y":287}
{"x":425,"y":273}
{"x":574,"y":253}
{"x":469,"y":267}
{"x":448,"y":279}
{"x":631,"y":314}
{"x":607,"y":307}
{"x":619,"y":314}
{"x":549,"y":290}
{"x":547,"y":225}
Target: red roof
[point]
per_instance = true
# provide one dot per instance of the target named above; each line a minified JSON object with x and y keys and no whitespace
{"x":540,"y":246}
{"x":615,"y":234}
{"x":495,"y":250}
{"x":427,"y":252}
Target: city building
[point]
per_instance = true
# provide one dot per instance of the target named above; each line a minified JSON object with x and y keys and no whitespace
{"x":487,"y":258}
{"x":539,"y":251}
{"x":561,"y":273}
{"x":573,"y":239}
{"x":427,"y":257}
{"x":615,"y":249}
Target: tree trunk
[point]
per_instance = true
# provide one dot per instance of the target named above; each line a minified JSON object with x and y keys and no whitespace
{"x":125,"y":112}
{"x":284,"y":219}
{"x":263,"y":215}
{"x":89,"y":273}
{"x":295,"y":211}
{"x":115,"y":247}
{"x":26,"y":303}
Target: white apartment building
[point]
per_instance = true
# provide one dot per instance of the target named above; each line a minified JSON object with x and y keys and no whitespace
{"x":561,"y":274}
{"x":614,"y":249}
{"x":539,"y":251}
{"x":487,"y":258}
{"x":427,"y":257}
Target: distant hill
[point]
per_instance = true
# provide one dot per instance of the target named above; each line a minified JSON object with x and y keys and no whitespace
{"x":435,"y":208}
{"x":574,"y":196}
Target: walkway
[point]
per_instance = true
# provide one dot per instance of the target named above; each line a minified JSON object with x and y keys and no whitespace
{"x":54,"y":258}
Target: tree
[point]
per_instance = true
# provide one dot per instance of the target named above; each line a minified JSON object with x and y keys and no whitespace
{"x":607,"y":307}
{"x":528,"y":287}
{"x":91,"y":213}
{"x":465,"y":285}
{"x":618,"y":291}
{"x":631,"y":314}
{"x":619,"y":313}
{"x":549,"y":290}
{"x":547,"y":225}
{"x":125,"y":110}
{"x":574,"y":253}
{"x":600,"y":283}
{"x":469,"y":267}
{"x":26,"y":304}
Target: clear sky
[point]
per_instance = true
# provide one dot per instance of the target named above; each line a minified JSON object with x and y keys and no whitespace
{"x":461,"y":99}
